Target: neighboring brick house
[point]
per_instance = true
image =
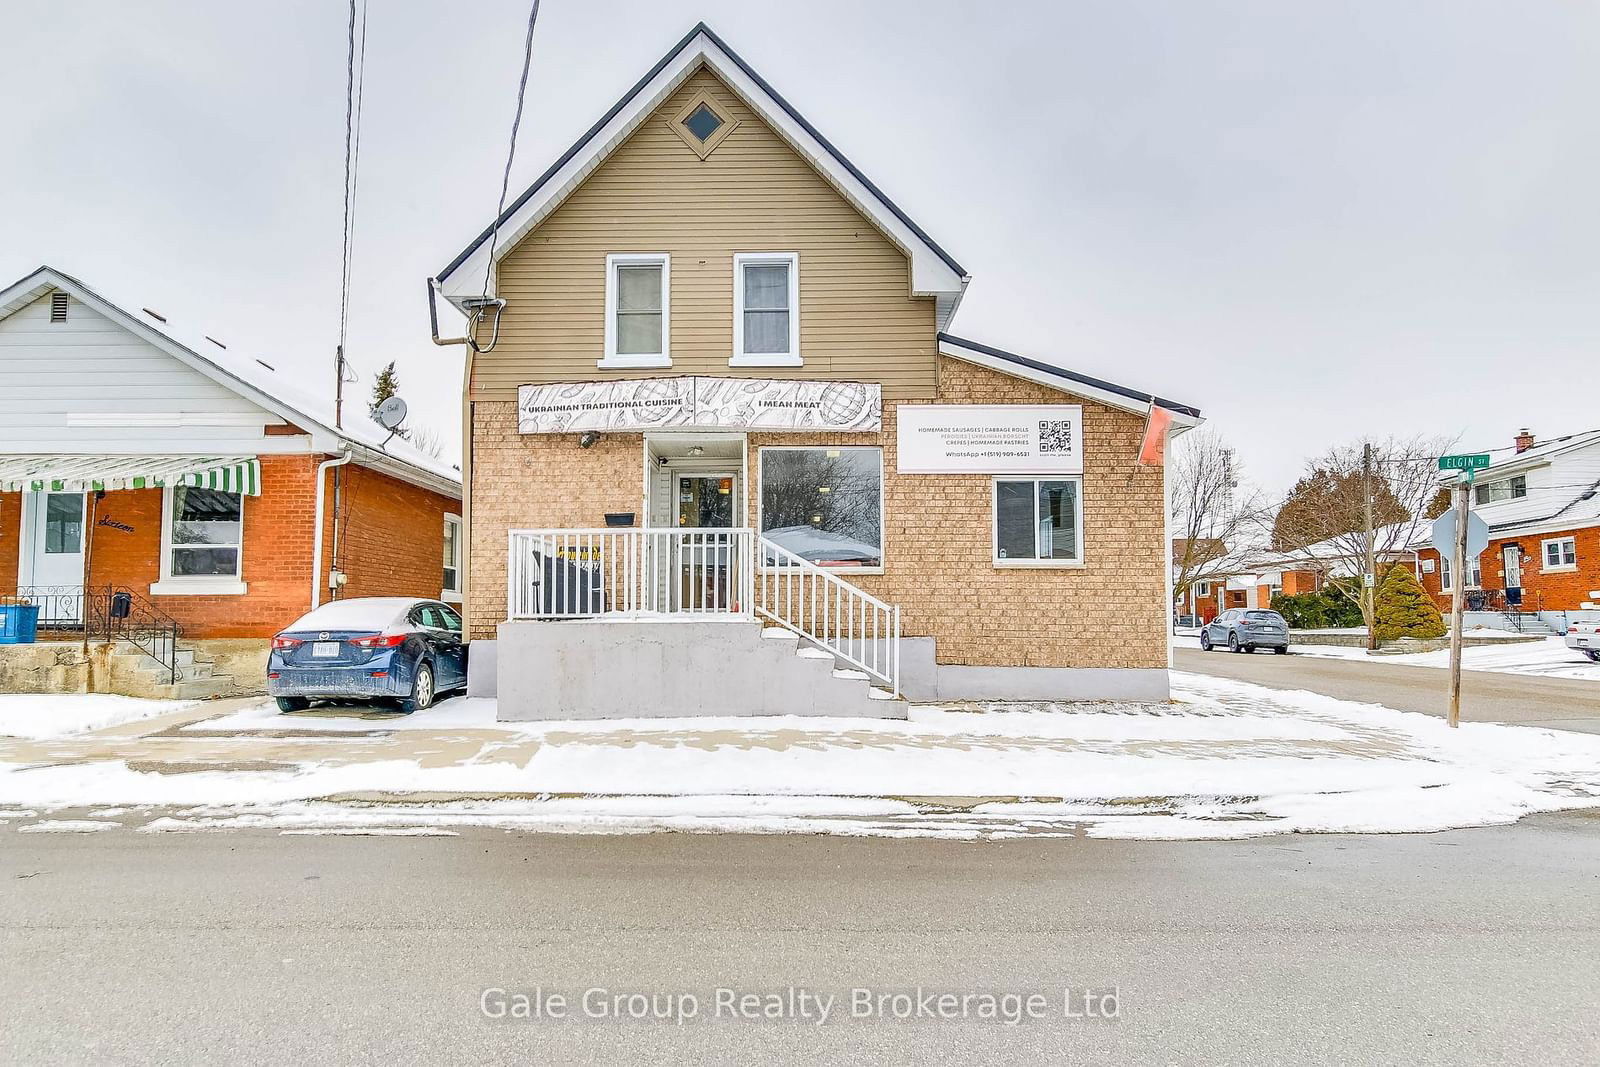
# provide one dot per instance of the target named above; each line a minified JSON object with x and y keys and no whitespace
{"x":1541,"y":501}
{"x":714,"y":379}
{"x":187,"y":477}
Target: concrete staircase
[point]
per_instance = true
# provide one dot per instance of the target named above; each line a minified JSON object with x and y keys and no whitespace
{"x":836,"y":683}
{"x":134,"y":672}
{"x":1527,"y":622}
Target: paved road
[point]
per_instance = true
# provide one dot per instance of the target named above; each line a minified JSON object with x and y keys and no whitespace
{"x":1464,"y":947}
{"x":1486,"y":696}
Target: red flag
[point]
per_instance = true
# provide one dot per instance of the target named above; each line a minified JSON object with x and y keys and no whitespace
{"x":1153,"y":450}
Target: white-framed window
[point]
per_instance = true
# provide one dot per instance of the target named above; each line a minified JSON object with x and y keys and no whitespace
{"x":638,"y":311}
{"x":1202,"y":589}
{"x":1560,"y":554}
{"x":452,"y":559}
{"x":1474,"y":574}
{"x":202,"y":542}
{"x":1514,"y":488}
{"x":766,"y":309}
{"x":1038,"y":522}
{"x":823,"y":504}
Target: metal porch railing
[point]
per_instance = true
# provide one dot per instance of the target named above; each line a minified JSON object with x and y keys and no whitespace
{"x":828,"y":611}
{"x":574,"y":574}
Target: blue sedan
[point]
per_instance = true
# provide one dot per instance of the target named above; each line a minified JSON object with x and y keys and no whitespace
{"x":395,"y":648}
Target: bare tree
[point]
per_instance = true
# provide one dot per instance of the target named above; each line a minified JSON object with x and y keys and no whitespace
{"x":426,"y":439}
{"x":1359,"y":504}
{"x":1215,"y":518}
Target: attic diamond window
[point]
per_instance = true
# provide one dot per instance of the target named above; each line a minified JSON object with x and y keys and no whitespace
{"x":703,"y":122}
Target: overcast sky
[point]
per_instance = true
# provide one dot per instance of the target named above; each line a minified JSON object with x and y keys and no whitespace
{"x":1312,"y":220}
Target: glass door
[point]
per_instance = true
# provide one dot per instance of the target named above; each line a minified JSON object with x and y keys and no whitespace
{"x":705,"y":503}
{"x":52,"y":565}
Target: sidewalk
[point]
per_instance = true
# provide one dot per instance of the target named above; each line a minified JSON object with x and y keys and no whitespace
{"x":1225,"y":759}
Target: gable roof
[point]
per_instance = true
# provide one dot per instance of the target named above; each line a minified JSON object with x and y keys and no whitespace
{"x":1108,"y":393}
{"x":252,"y":379}
{"x":933,"y":271}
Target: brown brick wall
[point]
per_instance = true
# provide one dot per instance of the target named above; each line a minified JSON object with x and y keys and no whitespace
{"x":1110,"y":612}
{"x":1542,"y":590}
{"x":391,"y":536}
{"x":537,"y":481}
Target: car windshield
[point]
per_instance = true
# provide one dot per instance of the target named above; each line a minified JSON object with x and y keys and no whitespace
{"x":1268,"y":616}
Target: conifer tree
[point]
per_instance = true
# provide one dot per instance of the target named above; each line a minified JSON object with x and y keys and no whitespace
{"x":1404,"y":608}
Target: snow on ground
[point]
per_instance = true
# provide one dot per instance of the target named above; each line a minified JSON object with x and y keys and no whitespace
{"x":1548,"y":656}
{"x":449,"y":714}
{"x":41,"y":716}
{"x":1227,"y":759}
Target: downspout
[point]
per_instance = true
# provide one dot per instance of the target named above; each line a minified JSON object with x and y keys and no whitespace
{"x":316,"y":538}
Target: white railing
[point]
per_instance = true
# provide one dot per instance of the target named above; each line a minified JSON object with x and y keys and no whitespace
{"x":571,"y":574}
{"x":829,"y":612}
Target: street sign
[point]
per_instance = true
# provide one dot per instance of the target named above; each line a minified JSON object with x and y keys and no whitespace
{"x":1464,"y":462}
{"x":1444,"y":535}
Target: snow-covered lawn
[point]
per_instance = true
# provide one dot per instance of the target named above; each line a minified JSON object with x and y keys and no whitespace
{"x":39,"y":716}
{"x":1548,"y":656}
{"x":1227,"y":759}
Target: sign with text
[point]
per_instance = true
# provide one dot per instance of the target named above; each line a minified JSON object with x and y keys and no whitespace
{"x":1476,"y":461}
{"x":989,"y":439}
{"x":700,"y":403}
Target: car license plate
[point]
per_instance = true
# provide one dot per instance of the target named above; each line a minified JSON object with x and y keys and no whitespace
{"x":325,"y":649}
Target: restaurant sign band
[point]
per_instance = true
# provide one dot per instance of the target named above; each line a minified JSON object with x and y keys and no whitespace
{"x":989,"y":439}
{"x":698,"y":403}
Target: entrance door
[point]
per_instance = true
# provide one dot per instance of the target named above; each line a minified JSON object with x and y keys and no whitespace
{"x":704,"y":500}
{"x":52,"y":554}
{"x":1512,"y":554}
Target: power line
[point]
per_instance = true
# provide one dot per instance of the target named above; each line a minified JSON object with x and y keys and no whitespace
{"x":511,"y":150}
{"x":355,"y":71}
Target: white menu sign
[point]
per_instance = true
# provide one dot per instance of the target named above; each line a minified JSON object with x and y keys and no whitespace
{"x":989,"y":439}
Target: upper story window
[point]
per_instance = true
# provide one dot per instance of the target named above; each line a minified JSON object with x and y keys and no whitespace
{"x":638,"y":312}
{"x":766,"y":309}
{"x":1504,"y":489}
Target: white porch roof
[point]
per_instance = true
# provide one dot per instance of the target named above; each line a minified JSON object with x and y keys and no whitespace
{"x":234,"y":474}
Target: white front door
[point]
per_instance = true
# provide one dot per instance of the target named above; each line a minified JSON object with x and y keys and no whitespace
{"x":1512,"y":554}
{"x":52,"y":552}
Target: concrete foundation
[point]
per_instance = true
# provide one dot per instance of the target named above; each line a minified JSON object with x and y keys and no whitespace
{"x":608,"y":670}
{"x":585,"y":669}
{"x":220,"y":667}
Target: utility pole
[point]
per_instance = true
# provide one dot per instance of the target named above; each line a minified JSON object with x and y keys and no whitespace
{"x":338,"y":388}
{"x":1458,"y":597}
{"x":1369,"y":577}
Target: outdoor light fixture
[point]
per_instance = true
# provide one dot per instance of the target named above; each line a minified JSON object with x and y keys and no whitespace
{"x":587,"y":439}
{"x":824,"y":488}
{"x":697,"y":451}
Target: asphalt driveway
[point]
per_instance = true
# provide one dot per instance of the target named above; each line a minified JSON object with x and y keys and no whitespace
{"x":1486,"y":696}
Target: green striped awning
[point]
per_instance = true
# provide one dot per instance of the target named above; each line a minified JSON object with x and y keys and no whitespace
{"x":233,"y":474}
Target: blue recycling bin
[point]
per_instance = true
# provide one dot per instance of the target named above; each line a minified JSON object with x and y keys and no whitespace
{"x":19,"y":624}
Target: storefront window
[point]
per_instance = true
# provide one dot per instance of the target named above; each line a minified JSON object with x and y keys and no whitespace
{"x":206,"y":530}
{"x":824,"y":504}
{"x":1037,"y":521}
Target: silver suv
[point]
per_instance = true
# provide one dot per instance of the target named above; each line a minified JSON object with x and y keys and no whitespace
{"x":1245,"y":630}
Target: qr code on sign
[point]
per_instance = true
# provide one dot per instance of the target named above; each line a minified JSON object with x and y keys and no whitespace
{"x":1055,"y":437}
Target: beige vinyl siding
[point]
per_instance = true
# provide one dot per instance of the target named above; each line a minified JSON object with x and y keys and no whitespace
{"x":753,"y":194}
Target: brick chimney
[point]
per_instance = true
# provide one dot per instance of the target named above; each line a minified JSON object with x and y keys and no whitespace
{"x":1524,"y":440}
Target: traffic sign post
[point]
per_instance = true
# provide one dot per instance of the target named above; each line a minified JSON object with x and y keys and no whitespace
{"x":1458,"y":532}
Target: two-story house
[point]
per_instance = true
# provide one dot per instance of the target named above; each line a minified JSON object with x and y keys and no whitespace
{"x":1541,"y":501}
{"x":724,"y":455}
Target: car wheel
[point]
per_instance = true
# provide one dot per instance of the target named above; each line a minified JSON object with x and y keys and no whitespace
{"x":1205,"y":641}
{"x":1281,"y":650}
{"x":1233,"y":643}
{"x":293,"y":703}
{"x":421,"y":690}
{"x":1592,"y":653}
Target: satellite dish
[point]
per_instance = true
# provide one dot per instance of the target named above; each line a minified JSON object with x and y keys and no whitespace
{"x":391,"y":413}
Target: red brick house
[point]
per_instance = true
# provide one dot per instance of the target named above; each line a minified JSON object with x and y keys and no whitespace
{"x":1542,"y":503}
{"x":193,"y":479}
